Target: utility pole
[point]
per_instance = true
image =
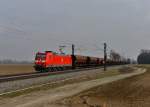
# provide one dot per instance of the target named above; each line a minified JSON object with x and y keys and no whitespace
{"x":73,"y":49}
{"x":73,"y":57}
{"x":105,"y":56}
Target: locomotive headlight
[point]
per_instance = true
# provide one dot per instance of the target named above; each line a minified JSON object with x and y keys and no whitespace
{"x":36,"y":61}
{"x":43,"y":61}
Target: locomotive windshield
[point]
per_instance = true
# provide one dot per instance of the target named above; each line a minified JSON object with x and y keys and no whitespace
{"x":40,"y":56}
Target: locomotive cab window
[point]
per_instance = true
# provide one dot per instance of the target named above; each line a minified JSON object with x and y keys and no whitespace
{"x":41,"y":56}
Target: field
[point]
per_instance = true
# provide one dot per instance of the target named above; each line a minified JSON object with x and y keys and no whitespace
{"x":7,"y":69}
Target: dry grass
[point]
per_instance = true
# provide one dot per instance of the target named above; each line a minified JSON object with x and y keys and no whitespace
{"x":6,"y":69}
{"x":131,"y":92}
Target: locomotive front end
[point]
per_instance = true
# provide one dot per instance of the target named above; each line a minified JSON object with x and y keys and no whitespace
{"x":40,"y":61}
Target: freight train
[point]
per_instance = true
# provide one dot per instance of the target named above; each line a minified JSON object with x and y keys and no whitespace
{"x":51,"y":61}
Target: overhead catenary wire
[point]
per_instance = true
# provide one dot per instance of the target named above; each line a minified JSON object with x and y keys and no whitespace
{"x":80,"y":48}
{"x":90,"y":49}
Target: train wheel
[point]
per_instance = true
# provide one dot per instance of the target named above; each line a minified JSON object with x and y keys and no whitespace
{"x":49,"y":69}
{"x":52,"y":69}
{"x":59,"y":68}
{"x":55,"y":69}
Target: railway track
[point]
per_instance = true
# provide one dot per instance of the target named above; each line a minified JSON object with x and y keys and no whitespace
{"x":18,"y":83}
{"x":34,"y":75}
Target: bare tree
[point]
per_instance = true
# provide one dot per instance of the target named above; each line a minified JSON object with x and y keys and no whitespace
{"x":144,"y":57}
{"x":115,"y":56}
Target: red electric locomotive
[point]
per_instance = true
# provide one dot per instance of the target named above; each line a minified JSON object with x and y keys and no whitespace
{"x":50,"y":61}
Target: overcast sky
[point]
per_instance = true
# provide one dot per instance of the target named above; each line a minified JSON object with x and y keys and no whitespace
{"x":28,"y":26}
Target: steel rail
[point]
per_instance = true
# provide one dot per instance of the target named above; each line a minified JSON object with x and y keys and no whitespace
{"x":34,"y":75}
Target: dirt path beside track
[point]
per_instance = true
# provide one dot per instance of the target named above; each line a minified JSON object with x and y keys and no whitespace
{"x":51,"y":98}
